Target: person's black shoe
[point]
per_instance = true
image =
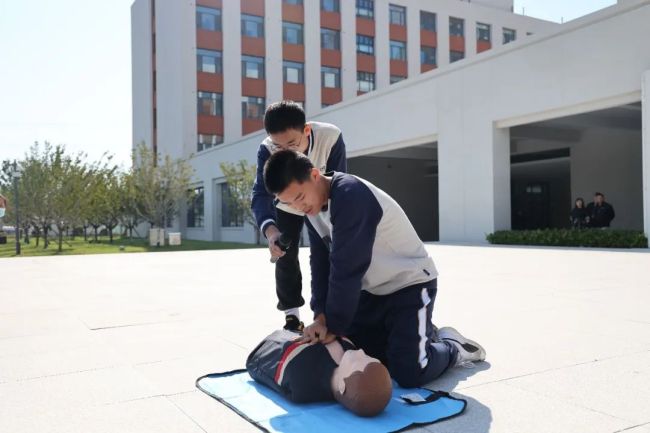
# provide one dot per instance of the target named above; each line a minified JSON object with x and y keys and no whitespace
{"x":294,"y":324}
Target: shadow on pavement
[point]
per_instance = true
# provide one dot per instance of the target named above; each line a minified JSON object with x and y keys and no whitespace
{"x":477,"y":417}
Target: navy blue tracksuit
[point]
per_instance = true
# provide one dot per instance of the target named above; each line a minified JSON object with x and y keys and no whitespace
{"x":374,"y":281}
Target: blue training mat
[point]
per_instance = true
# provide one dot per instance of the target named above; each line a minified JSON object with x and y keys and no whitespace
{"x":271,"y":412}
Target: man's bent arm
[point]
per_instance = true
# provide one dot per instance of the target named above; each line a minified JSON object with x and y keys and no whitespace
{"x":262,"y":201}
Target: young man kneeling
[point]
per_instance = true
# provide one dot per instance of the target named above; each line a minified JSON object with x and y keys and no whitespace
{"x":372,"y":279}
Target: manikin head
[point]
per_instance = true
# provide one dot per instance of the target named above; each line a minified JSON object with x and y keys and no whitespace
{"x":296,"y":182}
{"x":285,"y":123}
{"x":361,"y":384}
{"x":599,"y":198}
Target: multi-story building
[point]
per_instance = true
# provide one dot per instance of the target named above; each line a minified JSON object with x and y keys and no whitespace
{"x":204,"y":70}
{"x":534,"y":115}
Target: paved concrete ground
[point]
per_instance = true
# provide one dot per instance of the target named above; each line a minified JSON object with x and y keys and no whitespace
{"x":113,"y":343}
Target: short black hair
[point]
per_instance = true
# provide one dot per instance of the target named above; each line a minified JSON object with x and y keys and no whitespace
{"x":284,"y":115}
{"x":599,"y":194}
{"x":284,"y":167}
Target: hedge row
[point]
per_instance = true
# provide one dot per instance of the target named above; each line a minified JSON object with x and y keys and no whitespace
{"x":571,"y":238}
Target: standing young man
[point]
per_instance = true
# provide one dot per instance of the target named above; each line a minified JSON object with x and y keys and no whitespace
{"x":323,"y":144}
{"x":372,"y":279}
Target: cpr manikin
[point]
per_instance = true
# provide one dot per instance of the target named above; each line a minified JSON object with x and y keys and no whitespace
{"x":306,"y":372}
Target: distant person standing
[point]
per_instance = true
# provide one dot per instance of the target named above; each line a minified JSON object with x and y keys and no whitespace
{"x":600,"y":212}
{"x":579,"y":216}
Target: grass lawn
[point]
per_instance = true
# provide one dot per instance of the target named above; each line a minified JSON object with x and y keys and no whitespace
{"x":79,"y":246}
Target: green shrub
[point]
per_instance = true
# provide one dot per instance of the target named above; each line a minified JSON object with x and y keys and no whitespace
{"x":571,"y":238}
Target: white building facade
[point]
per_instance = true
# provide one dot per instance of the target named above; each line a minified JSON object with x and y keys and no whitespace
{"x":467,"y":148}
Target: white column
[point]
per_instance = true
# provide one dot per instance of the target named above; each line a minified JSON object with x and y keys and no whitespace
{"x":413,"y":40}
{"x":231,"y":24}
{"x":501,"y":177}
{"x":141,"y":73}
{"x":497,"y":35}
{"x":470,"y":37}
{"x":645,"y":151}
{"x":348,"y":49}
{"x":382,"y":41}
{"x":473,"y":167}
{"x":189,"y":90}
{"x":273,"y":46}
{"x":442,"y":28}
{"x":312,"y":57}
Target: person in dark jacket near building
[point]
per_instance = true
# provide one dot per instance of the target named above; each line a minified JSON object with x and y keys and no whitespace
{"x":372,"y":279}
{"x":306,"y":372}
{"x":600,"y":212}
{"x":323,"y":144}
{"x":579,"y":216}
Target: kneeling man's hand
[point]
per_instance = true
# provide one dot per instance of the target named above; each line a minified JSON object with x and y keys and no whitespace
{"x":317,"y":332}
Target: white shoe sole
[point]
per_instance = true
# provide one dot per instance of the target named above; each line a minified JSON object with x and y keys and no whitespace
{"x":449,"y":333}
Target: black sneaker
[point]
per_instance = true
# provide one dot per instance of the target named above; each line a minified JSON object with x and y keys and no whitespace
{"x":293,"y":323}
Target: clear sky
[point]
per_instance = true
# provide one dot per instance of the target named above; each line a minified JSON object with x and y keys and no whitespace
{"x":65,"y":71}
{"x":556,"y":10}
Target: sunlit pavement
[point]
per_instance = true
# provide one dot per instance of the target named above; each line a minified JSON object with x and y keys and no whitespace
{"x":114,"y":343}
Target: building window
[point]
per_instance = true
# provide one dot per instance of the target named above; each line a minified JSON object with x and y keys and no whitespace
{"x":293,"y":2}
{"x":330,"y":5}
{"x":293,"y":72}
{"x":428,"y":21}
{"x":455,"y":56}
{"x":208,"y":61}
{"x":456,"y":27}
{"x":365,"y":81}
{"x":428,"y":56}
{"x":231,"y":214}
{"x":330,"y":77}
{"x":195,"y":208}
{"x":206,"y":141}
{"x":398,"y":50}
{"x":252,"y":67}
{"x":366,"y":9}
{"x":292,"y":33}
{"x":252,"y":107}
{"x":396,"y":78}
{"x":509,"y":35}
{"x":330,"y":39}
{"x":397,"y":15}
{"x":252,"y":26}
{"x":365,"y":45}
{"x":483,"y":32}
{"x":210,"y":104}
{"x":208,"y":19}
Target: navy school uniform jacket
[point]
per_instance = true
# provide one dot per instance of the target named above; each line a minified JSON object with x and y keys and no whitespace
{"x":301,"y":372}
{"x":362,"y":240}
{"x":326,"y":151}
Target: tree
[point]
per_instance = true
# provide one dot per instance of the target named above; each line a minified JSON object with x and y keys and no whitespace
{"x":69,"y":181}
{"x":130,"y":218}
{"x":34,"y":190}
{"x":240,"y":178}
{"x":112,"y":206}
{"x":161,"y":185}
{"x":94,"y":206}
